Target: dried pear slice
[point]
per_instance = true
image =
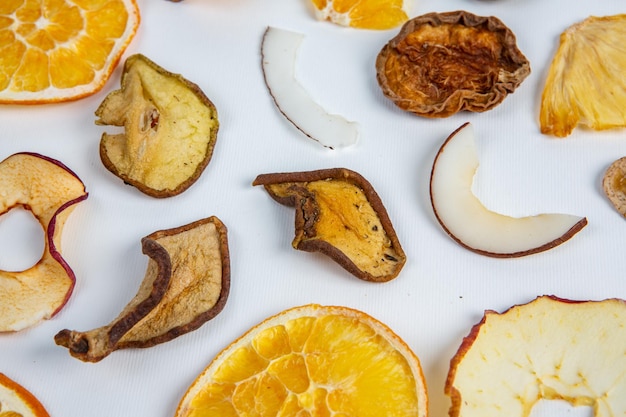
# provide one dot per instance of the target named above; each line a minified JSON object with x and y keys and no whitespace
{"x":339,"y":214}
{"x":614,"y":185}
{"x":443,"y":63}
{"x":170,"y":129}
{"x":186,"y":284}
{"x":585,"y":84}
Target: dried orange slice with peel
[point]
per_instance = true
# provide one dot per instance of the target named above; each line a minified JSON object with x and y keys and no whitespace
{"x":17,"y":401}
{"x":311,"y":361}
{"x":363,"y":14}
{"x":61,"y":50}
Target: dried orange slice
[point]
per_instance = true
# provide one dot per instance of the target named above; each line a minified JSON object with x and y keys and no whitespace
{"x":60,"y":50}
{"x":17,"y":401}
{"x":311,"y":361}
{"x":363,"y":14}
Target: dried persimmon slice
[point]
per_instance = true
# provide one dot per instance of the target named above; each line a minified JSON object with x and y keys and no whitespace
{"x":443,"y":63}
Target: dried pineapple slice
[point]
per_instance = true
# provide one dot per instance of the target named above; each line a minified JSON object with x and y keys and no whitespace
{"x":585,"y":83}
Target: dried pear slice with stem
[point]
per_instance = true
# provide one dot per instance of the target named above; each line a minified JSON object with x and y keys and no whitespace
{"x":170,"y":129}
{"x":187,"y":283}
{"x":443,"y":63}
{"x":585,"y":83}
{"x":339,"y":214}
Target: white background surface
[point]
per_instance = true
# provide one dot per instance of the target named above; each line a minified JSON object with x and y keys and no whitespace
{"x":443,"y":289}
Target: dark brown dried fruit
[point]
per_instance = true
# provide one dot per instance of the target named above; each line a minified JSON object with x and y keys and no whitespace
{"x":187,"y":283}
{"x":339,"y":214}
{"x":442,"y":63}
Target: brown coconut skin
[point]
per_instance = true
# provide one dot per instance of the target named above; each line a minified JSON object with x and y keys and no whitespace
{"x":443,"y":63}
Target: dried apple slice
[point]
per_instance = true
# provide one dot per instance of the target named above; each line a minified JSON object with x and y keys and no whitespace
{"x":170,"y":129}
{"x":443,"y":63}
{"x":477,"y":228}
{"x":50,"y":191}
{"x":548,"y":349}
{"x":339,"y":214}
{"x":585,"y":83}
{"x":614,"y":185}
{"x":187,"y":283}
{"x":278,"y":50}
{"x":17,"y":401}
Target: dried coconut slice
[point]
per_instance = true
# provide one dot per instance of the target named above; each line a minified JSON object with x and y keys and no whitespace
{"x":186,"y":284}
{"x":339,"y":214}
{"x":279,"y":49}
{"x":443,"y":63}
{"x":17,"y":401}
{"x":548,"y":349}
{"x":585,"y":84}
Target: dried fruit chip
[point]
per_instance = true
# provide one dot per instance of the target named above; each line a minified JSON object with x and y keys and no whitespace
{"x":278,"y":52}
{"x":614,"y":185}
{"x":442,"y":63}
{"x":551,"y":349}
{"x":585,"y":84}
{"x":364,"y":14}
{"x":170,"y":129}
{"x":61,"y":50}
{"x":339,"y":214}
{"x":312,"y":361}
{"x":466,"y":220}
{"x":17,"y":401}
{"x":50,"y":191}
{"x":186,"y":284}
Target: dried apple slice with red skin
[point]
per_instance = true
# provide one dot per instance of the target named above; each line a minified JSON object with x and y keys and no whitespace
{"x":551,"y":349}
{"x":187,"y":283}
{"x":466,"y":220}
{"x":339,"y":214}
{"x":50,"y":191}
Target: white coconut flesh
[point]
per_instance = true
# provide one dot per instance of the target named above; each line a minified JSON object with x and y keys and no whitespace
{"x":279,"y":52}
{"x":468,"y":221}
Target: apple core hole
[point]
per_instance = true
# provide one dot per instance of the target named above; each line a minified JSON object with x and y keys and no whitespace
{"x":560,"y":408}
{"x":22,"y":241}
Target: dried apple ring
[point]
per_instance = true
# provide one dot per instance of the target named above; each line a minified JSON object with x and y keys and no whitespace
{"x":50,"y":191}
{"x":442,"y":63}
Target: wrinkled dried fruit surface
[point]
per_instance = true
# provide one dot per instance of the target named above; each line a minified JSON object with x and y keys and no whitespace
{"x":338,"y":213}
{"x":187,"y":283}
{"x":614,"y":185}
{"x":50,"y":191}
{"x":443,"y":63}
{"x":170,"y":129}
{"x":550,"y":348}
{"x":585,"y":84}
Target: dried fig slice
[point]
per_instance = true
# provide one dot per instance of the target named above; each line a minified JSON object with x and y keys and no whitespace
{"x":339,"y":214}
{"x":614,"y":185}
{"x":443,"y":63}
{"x":170,"y":129}
{"x":187,"y":283}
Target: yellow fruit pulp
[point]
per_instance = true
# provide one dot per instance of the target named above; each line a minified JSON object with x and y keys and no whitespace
{"x":585,"y":84}
{"x":311,"y":361}
{"x":364,"y":14}
{"x":55,"y":50}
